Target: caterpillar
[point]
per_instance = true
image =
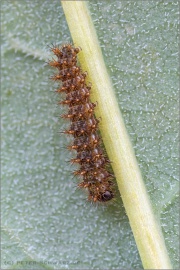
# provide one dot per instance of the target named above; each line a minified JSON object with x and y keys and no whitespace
{"x":87,"y":143}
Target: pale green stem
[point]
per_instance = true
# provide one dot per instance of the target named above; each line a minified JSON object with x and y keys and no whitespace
{"x":146,"y":230}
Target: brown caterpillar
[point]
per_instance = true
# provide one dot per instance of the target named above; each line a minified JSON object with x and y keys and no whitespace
{"x":92,"y":160}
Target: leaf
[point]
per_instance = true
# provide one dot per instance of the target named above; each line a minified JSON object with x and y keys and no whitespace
{"x":45,"y":218}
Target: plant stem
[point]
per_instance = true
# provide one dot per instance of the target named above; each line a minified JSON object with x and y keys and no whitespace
{"x":146,"y":230}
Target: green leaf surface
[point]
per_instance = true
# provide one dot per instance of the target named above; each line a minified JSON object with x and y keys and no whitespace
{"x":47,"y":223}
